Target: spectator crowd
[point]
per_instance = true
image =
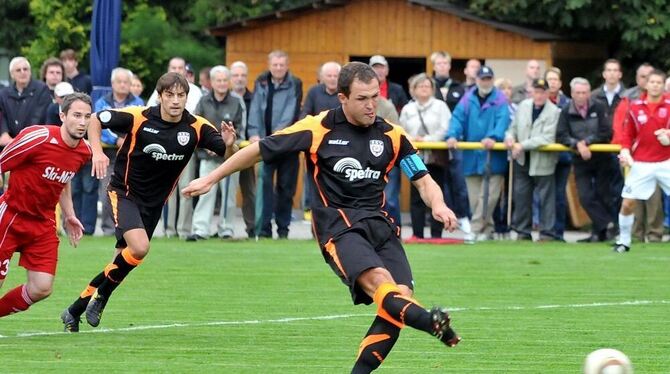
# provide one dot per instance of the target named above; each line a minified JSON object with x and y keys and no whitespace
{"x":492,"y":192}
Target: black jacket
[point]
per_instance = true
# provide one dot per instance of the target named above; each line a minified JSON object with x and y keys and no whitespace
{"x":599,"y":95}
{"x":25,"y":109}
{"x":455,"y":91}
{"x":595,"y":128}
{"x":397,"y":96}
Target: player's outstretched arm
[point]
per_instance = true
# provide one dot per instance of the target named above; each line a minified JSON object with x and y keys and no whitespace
{"x":100,"y":161}
{"x":74,"y":228}
{"x":241,"y":160}
{"x":431,"y":194}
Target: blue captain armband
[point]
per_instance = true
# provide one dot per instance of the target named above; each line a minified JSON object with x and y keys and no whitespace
{"x":412,"y":165}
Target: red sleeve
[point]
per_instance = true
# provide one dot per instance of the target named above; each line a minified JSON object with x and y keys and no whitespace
{"x":21,"y":147}
{"x":629,"y":132}
{"x":618,"y":120}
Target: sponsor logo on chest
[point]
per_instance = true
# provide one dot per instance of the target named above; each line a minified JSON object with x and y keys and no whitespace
{"x":353,"y":170}
{"x":159,"y":153}
{"x":53,"y":173}
{"x":642,"y":117}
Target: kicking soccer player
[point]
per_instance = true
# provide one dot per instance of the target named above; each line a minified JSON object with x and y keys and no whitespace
{"x":42,"y":160}
{"x":350,"y":152}
{"x":646,"y":149}
{"x":159,"y":143}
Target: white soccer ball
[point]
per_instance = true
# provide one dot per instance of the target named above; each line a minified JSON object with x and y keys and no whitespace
{"x":607,"y":361}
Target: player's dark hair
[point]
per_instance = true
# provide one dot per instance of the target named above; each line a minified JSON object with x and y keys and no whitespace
{"x":659,"y":73}
{"x":350,"y":72}
{"x":169,"y":80}
{"x":71,"y":98}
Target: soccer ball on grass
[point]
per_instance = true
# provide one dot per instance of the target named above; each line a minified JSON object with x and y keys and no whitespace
{"x":607,"y":361}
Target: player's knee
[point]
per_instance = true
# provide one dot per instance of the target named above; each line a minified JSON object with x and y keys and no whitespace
{"x":405,"y":290}
{"x":140,"y":251}
{"x":372,"y":278}
{"x":39,"y":290}
{"x":627,"y":206}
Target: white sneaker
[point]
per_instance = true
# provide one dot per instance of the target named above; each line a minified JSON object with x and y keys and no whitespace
{"x":469,"y":238}
{"x":482,"y":237}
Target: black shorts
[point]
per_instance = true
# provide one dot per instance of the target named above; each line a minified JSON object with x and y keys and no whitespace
{"x":129,"y":215}
{"x":367,"y":244}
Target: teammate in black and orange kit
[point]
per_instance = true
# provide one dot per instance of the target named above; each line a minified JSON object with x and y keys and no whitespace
{"x":42,"y":161}
{"x":349,"y":153}
{"x":159,"y":142}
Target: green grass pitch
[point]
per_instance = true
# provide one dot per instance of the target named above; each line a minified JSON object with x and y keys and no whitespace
{"x":276,"y":307}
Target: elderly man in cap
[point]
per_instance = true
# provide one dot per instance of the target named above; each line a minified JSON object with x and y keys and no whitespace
{"x":534,"y":125}
{"x":482,"y":116}
{"x":396,"y":95}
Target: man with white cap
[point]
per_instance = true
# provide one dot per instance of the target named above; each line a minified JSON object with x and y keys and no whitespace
{"x":389,"y":90}
{"x":61,"y":90}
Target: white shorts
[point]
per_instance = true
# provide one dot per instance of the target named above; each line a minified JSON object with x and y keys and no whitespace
{"x":642,"y":178}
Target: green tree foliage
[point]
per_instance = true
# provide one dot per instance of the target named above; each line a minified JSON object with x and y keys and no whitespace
{"x":62,"y":24}
{"x":208,"y":13}
{"x":149,"y":34}
{"x":634,"y":30}
{"x":17,"y":27}
{"x":149,"y":37}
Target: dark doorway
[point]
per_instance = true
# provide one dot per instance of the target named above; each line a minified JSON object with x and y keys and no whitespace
{"x":457,"y":67}
{"x":400,"y":68}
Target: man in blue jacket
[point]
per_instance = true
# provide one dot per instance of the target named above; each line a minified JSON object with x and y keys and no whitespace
{"x":120,"y":97}
{"x":275,"y":105}
{"x":482,"y":115}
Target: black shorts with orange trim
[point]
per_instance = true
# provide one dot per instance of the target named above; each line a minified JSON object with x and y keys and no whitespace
{"x":368,"y":243}
{"x":129,"y":215}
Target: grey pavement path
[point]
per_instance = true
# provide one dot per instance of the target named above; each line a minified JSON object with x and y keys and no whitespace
{"x":301,"y":229}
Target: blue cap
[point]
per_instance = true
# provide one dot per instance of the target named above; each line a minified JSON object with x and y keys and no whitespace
{"x":485,"y":72}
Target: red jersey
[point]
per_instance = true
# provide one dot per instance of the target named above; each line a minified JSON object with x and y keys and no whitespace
{"x":41,"y":164}
{"x":642,"y":120}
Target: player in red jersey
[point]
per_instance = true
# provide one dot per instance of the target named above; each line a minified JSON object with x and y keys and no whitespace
{"x":645,"y":147}
{"x":42,"y":161}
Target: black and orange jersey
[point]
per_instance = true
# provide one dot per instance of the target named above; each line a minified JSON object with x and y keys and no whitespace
{"x":349,"y":165}
{"x":155,"y":152}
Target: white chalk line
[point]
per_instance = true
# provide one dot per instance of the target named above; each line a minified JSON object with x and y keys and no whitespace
{"x":331,"y":317}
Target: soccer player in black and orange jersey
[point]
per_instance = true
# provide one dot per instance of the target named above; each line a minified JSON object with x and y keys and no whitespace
{"x":349,"y":152}
{"x":159,"y":142}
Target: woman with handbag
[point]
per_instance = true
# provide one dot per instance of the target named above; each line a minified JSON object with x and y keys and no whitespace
{"x":426,"y":119}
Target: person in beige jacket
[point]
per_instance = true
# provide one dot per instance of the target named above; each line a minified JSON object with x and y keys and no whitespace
{"x":534,"y":126}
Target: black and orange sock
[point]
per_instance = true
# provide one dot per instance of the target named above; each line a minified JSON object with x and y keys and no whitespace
{"x":117,"y":271}
{"x":79,"y":305}
{"x":376,"y":345}
{"x":401,"y":310}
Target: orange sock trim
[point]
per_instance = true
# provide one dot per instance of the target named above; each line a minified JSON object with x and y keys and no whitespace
{"x":111,"y":266}
{"x":125,"y":253}
{"x":89,"y":291}
{"x":383,"y":290}
{"x":372,"y":339}
{"x":379,"y":296}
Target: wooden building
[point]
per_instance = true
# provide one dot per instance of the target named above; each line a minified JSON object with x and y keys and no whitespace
{"x":406,"y":32}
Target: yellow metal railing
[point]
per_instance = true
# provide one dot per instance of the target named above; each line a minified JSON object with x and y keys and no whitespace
{"x":612,"y":148}
{"x":501,"y":146}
